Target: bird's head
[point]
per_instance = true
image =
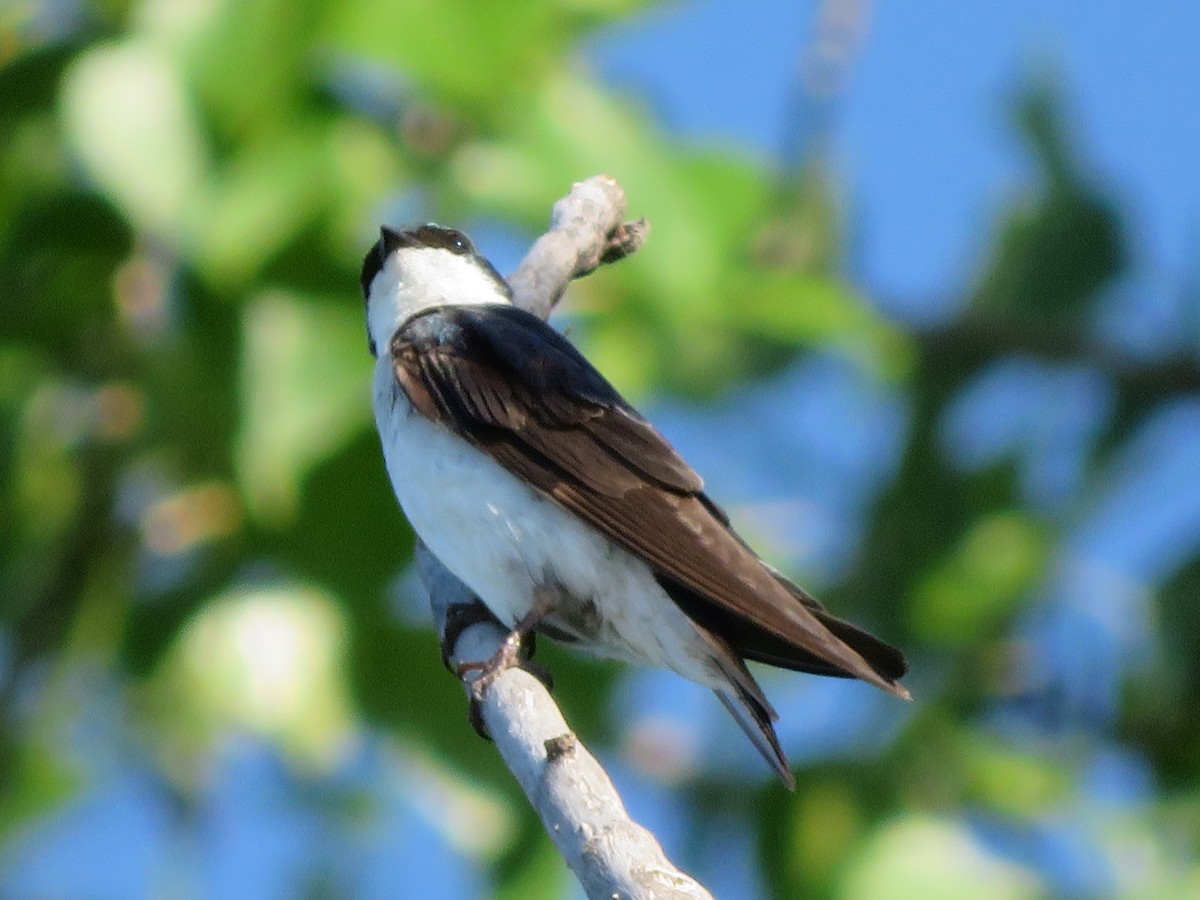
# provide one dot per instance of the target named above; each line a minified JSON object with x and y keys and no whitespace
{"x":407,"y":272}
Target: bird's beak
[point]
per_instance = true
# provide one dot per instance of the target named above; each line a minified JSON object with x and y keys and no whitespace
{"x":391,"y":239}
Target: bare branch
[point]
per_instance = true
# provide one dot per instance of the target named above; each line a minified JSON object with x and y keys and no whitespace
{"x":586,"y":230}
{"x":612,"y":855}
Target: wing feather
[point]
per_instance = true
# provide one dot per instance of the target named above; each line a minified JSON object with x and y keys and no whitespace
{"x":504,"y":380}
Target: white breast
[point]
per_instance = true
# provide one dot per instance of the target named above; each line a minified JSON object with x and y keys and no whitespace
{"x":503,"y":539}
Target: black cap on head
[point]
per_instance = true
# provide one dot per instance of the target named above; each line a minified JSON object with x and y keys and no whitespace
{"x":436,"y":236}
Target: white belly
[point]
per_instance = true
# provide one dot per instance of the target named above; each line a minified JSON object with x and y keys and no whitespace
{"x":504,"y":540}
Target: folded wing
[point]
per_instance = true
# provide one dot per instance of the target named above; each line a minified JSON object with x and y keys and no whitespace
{"x":511,"y":385}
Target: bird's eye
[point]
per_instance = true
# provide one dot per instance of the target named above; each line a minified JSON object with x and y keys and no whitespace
{"x":446,"y":238}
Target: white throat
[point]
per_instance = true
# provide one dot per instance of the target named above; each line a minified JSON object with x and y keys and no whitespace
{"x":415,"y":279}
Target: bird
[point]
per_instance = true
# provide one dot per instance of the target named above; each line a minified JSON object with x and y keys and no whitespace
{"x":537,"y":485}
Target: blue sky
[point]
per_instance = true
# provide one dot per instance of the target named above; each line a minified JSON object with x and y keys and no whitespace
{"x":923,"y":134}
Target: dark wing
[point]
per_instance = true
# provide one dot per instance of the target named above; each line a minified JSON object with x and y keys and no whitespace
{"x":511,"y":385}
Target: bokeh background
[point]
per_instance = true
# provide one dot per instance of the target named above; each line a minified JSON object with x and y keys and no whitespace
{"x":921,"y":301}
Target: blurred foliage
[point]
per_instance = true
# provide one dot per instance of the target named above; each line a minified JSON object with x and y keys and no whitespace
{"x":191,"y":496}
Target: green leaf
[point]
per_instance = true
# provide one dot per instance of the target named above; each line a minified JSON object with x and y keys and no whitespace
{"x":1012,"y":780}
{"x":37,"y":781}
{"x":471,"y":54}
{"x":808,"y":310}
{"x":268,"y":660}
{"x":305,"y":394}
{"x":1059,"y":248}
{"x":919,"y":857}
{"x":270,"y":191}
{"x":130,"y":120}
{"x":982,"y":581}
{"x":250,"y":61}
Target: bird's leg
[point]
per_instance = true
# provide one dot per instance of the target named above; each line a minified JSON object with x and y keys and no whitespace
{"x":516,"y":650}
{"x":510,"y":653}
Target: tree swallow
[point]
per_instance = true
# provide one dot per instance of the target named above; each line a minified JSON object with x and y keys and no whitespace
{"x":566,"y":512}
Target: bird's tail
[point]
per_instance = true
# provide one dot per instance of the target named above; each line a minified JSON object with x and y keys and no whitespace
{"x":747,"y":704}
{"x":756,"y":721}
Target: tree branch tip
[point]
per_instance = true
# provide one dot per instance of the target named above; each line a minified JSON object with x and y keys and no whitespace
{"x":599,"y":193}
{"x":625,"y":240}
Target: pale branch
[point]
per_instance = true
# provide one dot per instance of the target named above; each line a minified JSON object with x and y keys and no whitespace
{"x":612,"y":856}
{"x":586,"y":229}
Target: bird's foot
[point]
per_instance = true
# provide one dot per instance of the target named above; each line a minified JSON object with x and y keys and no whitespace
{"x":516,"y":650}
{"x":489,"y":670}
{"x":513,"y":653}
